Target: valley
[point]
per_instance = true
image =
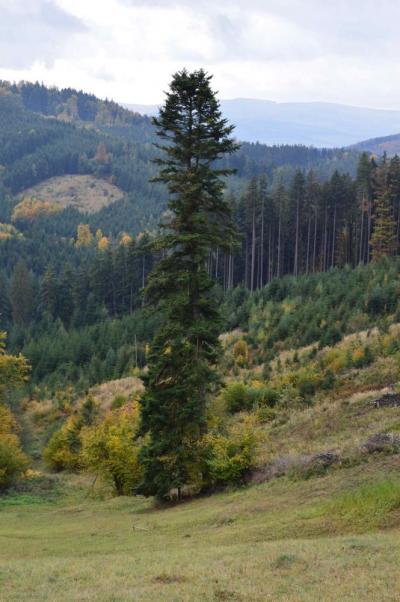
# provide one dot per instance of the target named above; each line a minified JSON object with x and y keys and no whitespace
{"x":286,"y":477}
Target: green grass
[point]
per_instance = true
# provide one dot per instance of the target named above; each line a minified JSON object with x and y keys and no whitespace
{"x":368,"y":505}
{"x":20,"y":500}
{"x":330,"y":538}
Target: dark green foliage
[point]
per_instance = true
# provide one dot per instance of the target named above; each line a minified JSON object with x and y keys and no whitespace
{"x":237,"y":397}
{"x":323,"y":307}
{"x":72,"y":288}
{"x":21,"y":295}
{"x":181,"y":373}
{"x":82,"y":356}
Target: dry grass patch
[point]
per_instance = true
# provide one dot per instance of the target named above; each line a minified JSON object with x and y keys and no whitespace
{"x":128,"y":388}
{"x":83,"y":192}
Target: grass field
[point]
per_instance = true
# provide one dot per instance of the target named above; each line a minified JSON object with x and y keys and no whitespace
{"x":334,"y":538}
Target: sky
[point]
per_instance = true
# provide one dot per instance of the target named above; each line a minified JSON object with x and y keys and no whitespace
{"x":281,"y":50}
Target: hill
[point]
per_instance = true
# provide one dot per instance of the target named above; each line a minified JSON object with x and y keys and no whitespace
{"x":319,"y":507}
{"x":312,"y":124}
{"x":378,"y":146}
{"x":47,"y":132}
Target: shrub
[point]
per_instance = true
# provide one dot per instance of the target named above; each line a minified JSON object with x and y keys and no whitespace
{"x":236,"y":397}
{"x":241,"y":353}
{"x":265,"y":414}
{"x":230,"y":456}
{"x":109,"y":449}
{"x":328,"y":380}
{"x":30,"y":209}
{"x":118,"y":402}
{"x":62,"y":451}
{"x":361,"y":356}
{"x":13,"y":461}
{"x":263,"y":396}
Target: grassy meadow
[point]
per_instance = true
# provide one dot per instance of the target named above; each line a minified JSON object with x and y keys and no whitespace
{"x":335,"y":537}
{"x":330,"y":535}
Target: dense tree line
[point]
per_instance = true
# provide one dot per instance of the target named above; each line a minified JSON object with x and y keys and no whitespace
{"x":312,"y":225}
{"x":103,"y":282}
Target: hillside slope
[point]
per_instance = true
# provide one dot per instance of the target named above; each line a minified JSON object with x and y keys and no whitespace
{"x":284,"y":540}
{"x":378,"y":146}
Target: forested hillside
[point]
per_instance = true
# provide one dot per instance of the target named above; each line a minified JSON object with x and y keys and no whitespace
{"x":296,"y":210}
{"x":389,"y":145}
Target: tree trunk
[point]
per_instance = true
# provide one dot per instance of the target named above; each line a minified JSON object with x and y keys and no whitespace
{"x":333,"y":239}
{"x":325,"y":239}
{"x":296,"y":248}
{"x":253,"y":249}
{"x":261,"y":281}
{"x":315,"y":241}
{"x":308,"y":243}
{"x":278,"y":269}
{"x":361,"y":258}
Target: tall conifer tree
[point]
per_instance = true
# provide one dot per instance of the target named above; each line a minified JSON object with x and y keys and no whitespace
{"x":185,"y":349}
{"x":383,"y":240}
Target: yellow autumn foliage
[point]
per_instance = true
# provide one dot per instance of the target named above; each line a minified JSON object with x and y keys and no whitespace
{"x":30,"y":209}
{"x":8,"y":231}
{"x":84,"y":236}
{"x":103,"y":243}
{"x":13,"y":462}
{"x":241,"y":353}
{"x":109,"y":449}
{"x":125,"y":239}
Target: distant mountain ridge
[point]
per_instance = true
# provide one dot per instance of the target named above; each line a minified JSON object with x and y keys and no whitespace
{"x":378,"y":146}
{"x":318,"y":124}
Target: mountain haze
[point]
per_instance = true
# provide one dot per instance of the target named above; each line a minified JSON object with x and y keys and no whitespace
{"x":378,"y":146}
{"x":311,"y":123}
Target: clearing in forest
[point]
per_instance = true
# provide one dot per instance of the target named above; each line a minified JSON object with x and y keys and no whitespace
{"x":83,"y":192}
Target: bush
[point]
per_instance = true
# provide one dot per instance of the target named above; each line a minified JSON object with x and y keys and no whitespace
{"x":328,"y":380}
{"x":118,"y":402}
{"x":236,"y":397}
{"x":13,"y":461}
{"x":109,"y":449}
{"x":265,"y":414}
{"x":229,"y":457}
{"x":62,"y":451}
{"x":239,"y":397}
{"x":362,"y":356}
{"x":241,"y":353}
{"x":263,"y":396}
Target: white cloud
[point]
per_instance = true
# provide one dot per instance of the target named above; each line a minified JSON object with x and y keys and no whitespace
{"x":277,"y":49}
{"x":34,"y":31}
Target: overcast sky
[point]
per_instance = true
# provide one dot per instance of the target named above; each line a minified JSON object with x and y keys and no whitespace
{"x":344,"y":51}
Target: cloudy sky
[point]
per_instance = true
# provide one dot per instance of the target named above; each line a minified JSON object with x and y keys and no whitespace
{"x":285,"y":50}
